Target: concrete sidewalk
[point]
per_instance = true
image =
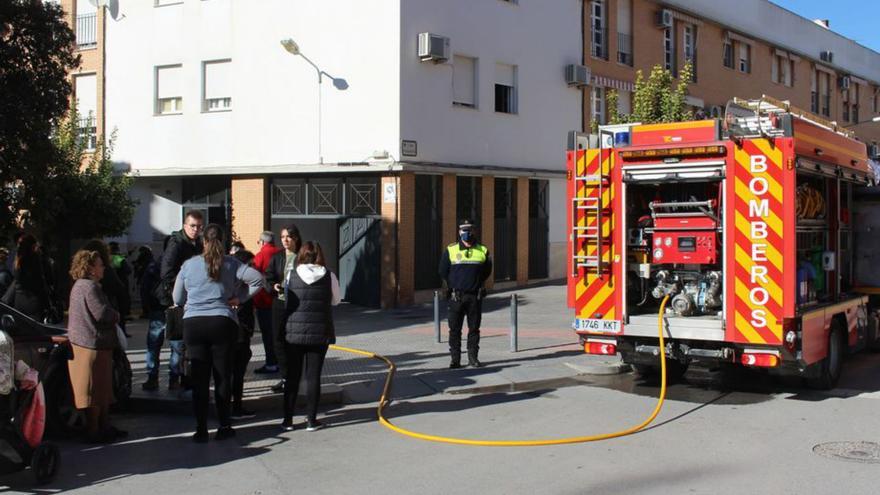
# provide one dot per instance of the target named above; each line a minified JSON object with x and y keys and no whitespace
{"x":548,"y":350}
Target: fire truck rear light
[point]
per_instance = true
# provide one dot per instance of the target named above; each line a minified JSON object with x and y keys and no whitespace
{"x":600,"y":348}
{"x":761,"y":360}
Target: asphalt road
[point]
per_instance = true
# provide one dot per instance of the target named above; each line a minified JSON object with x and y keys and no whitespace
{"x":756,"y":437}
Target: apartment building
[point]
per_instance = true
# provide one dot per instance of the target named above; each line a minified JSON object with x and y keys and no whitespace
{"x":745,"y":48}
{"x":88,"y":81}
{"x":363,"y":141}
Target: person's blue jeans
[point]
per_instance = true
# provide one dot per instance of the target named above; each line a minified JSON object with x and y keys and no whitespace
{"x":264,"y":318}
{"x":155,"y":339}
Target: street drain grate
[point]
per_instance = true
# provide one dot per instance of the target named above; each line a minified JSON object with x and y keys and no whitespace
{"x":864,"y":452}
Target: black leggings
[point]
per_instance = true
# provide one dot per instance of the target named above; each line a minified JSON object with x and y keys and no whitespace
{"x":312,"y":356}
{"x":209,"y":344}
{"x":241,"y":357}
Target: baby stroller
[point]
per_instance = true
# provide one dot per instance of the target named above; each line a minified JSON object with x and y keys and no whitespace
{"x":23,"y":419}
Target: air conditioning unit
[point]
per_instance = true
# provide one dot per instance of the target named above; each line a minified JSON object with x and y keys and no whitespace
{"x":664,"y":18}
{"x":827,"y":56}
{"x":433,"y":47}
{"x":577,"y":75}
{"x":844,"y":82}
{"x":873,"y":151}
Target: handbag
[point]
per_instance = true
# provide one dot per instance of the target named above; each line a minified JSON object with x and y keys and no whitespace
{"x":174,"y":323}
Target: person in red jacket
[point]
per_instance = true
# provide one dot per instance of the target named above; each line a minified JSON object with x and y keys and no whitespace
{"x":263,"y":303}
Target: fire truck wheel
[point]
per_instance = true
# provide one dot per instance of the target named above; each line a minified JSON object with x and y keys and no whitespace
{"x":829,"y":368}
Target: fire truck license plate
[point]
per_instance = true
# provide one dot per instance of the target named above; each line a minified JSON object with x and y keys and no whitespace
{"x":593,"y":325}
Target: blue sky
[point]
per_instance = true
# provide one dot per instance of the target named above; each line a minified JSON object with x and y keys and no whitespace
{"x":855,"y":19}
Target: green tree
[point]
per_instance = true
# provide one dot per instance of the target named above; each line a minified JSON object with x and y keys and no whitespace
{"x":659,"y":98}
{"x":89,"y":197}
{"x":37,"y":52}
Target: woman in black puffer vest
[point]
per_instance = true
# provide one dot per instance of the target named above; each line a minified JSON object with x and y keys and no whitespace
{"x":312,"y":290}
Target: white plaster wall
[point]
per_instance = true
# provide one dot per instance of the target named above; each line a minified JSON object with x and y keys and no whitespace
{"x":540,"y":37}
{"x":558,"y":228}
{"x":275,"y":95}
{"x":158,"y":214}
{"x":765,"y":20}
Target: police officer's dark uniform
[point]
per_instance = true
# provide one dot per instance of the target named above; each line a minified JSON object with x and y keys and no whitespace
{"x":465,"y":266}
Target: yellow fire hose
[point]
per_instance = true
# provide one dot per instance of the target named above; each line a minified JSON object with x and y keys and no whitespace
{"x":386,"y":392}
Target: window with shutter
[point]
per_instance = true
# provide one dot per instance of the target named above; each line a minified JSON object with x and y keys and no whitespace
{"x":216,"y":76}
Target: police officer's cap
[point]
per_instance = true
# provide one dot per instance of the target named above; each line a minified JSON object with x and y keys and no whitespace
{"x":466,"y":224}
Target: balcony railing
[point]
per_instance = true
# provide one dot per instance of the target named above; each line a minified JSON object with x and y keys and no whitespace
{"x":599,"y":44}
{"x":625,"y":49}
{"x":87,"y":30}
{"x":88,"y":133}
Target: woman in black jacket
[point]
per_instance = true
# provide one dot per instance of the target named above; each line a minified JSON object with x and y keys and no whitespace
{"x":29,"y":292}
{"x":280,"y":265}
{"x":311,"y":292}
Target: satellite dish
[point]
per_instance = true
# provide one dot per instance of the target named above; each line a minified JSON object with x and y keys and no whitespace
{"x":111,"y":5}
{"x":112,"y":8}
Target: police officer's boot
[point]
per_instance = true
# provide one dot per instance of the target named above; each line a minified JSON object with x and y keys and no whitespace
{"x":455,"y":363}
{"x":473,"y":362}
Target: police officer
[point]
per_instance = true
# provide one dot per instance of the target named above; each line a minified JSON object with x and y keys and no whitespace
{"x":465,"y":266}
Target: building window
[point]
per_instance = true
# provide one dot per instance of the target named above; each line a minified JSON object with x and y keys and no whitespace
{"x":690,"y":48}
{"x":216,"y":86}
{"x":875,"y":101}
{"x":727,"y":54}
{"x":846,"y":114}
{"x":464,"y":81}
{"x":745,"y":57}
{"x":624,"y":102}
{"x":86,"y":94}
{"x":597,"y":104}
{"x":505,"y":88}
{"x":854,"y":103}
{"x":624,"y":32}
{"x":669,"y":50}
{"x":782,"y":70}
{"x":169,"y":90}
{"x":362,"y":196}
{"x":598,"y":32}
{"x":814,"y":92}
{"x":823,"y":98}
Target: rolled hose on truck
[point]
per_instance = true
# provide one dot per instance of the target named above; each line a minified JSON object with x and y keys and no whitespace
{"x":385,"y":399}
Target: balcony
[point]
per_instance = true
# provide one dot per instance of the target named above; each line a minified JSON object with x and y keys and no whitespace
{"x":625,"y":49}
{"x":87,"y":30}
{"x":88,"y":133}
{"x":599,"y":45}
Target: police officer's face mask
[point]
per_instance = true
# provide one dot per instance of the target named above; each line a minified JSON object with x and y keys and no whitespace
{"x":466,"y":235}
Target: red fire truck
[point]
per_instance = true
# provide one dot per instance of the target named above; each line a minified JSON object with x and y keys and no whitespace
{"x":749,"y":224}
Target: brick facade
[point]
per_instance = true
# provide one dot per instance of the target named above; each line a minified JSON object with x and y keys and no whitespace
{"x":716,"y":84}
{"x":389,"y":246}
{"x":486,"y":232}
{"x":248,"y":210}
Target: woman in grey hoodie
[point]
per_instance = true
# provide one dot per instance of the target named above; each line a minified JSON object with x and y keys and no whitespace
{"x":210,"y":287}
{"x":312,"y":290}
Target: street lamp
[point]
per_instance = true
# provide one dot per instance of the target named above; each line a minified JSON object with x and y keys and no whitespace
{"x":293,"y":48}
{"x":875,"y":119}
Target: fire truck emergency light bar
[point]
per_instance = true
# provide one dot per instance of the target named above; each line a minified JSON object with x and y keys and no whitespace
{"x":662,"y":152}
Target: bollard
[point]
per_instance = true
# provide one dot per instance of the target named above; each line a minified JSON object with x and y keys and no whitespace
{"x":514,"y":325}
{"x":437,"y":316}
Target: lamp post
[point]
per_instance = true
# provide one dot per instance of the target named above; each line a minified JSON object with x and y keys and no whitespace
{"x":875,"y":119}
{"x":293,"y":48}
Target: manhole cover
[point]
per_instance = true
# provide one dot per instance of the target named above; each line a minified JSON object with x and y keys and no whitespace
{"x":866,"y":452}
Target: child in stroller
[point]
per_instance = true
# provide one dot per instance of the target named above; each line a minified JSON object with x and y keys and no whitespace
{"x":22,"y":418}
